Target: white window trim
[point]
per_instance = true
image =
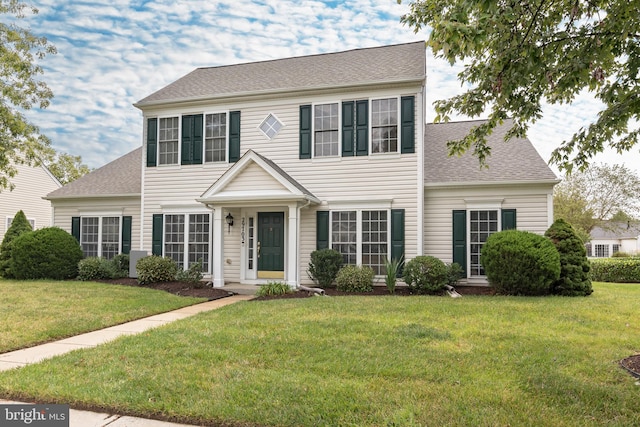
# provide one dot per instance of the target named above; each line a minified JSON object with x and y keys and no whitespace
{"x":359,"y":242}
{"x":313,"y":129}
{"x":479,"y":205}
{"x":186,"y":213}
{"x":9,"y":220}
{"x":100,"y":217}
{"x":204,"y":137}
{"x":259,"y":127}
{"x":179,"y":117}
{"x":398,"y":125}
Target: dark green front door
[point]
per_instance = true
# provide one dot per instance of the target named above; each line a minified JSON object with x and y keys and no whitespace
{"x":271,"y":245}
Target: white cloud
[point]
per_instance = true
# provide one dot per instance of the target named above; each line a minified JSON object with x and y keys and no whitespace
{"x":113,"y":53}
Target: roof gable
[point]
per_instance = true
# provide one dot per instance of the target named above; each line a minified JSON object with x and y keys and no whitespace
{"x":255,"y":178}
{"x":385,"y":64}
{"x":616,"y":230}
{"x":510,"y":162}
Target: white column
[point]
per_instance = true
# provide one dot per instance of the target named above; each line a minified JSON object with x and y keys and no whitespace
{"x":217,"y":263}
{"x":291,"y":265}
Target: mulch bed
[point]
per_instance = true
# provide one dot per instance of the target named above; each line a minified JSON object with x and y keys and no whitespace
{"x":186,"y":289}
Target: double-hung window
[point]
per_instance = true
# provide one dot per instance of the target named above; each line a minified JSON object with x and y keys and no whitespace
{"x":215,"y":137}
{"x":100,"y":236}
{"x":384,"y":125}
{"x":168,"y":138}
{"x":325,"y":129}
{"x":187,"y":239}
{"x":482,"y":224}
{"x":362,"y":237}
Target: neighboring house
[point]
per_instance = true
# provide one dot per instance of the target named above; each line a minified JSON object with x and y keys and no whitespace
{"x":31,"y":184}
{"x":252,"y":167}
{"x":614,"y":237}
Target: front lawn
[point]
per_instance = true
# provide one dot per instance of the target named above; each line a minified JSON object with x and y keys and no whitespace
{"x":366,"y":361}
{"x":34,"y":312}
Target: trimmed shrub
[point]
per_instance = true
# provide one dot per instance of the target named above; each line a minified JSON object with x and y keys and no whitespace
{"x":274,"y":288}
{"x":454,"y":273}
{"x":154,"y":269}
{"x":324,"y":266}
{"x":47,"y":253}
{"x":520,"y":263}
{"x":120,"y":264}
{"x":355,"y":278}
{"x":19,"y":225}
{"x":617,"y":270}
{"x":192,"y":275}
{"x":574,"y":266}
{"x":620,"y":255}
{"x":426,"y":274}
{"x":95,"y":268}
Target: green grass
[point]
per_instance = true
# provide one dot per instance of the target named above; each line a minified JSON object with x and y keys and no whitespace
{"x":366,"y":361}
{"x":34,"y":312}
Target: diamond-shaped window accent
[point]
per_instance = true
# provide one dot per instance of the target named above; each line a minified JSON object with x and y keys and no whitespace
{"x":271,"y":126}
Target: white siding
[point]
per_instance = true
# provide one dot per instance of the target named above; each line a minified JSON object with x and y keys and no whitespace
{"x":31,"y":185}
{"x":335,"y":179}
{"x":530,"y":202}
{"x":64,"y":210}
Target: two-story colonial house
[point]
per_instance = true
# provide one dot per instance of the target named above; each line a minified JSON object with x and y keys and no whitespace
{"x":251,"y":167}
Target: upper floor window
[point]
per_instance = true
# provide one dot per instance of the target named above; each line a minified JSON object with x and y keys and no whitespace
{"x":168,"y":141}
{"x":271,"y":126}
{"x":325,"y":130}
{"x":384,"y":125}
{"x":215,"y":138}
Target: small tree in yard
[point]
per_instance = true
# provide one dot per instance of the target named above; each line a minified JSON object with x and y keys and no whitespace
{"x":19,"y":225}
{"x":574,"y":266}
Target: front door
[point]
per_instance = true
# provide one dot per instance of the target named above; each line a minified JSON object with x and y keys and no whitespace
{"x":271,"y":245}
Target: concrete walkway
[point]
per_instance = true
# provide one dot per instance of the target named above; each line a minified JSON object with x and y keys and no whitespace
{"x":26,"y":356}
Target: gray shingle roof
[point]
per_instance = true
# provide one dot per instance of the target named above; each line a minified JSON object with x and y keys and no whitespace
{"x":515,"y":161}
{"x":386,"y":64}
{"x":120,"y":177}
{"x":616,"y":230}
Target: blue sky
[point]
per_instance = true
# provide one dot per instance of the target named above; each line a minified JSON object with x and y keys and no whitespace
{"x":112,"y":53}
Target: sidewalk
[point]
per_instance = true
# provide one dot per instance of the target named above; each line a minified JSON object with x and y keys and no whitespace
{"x":26,"y":356}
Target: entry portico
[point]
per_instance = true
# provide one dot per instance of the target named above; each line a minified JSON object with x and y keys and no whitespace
{"x":269,"y":201}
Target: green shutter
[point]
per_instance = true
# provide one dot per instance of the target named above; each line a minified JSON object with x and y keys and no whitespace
{"x":322,"y":229}
{"x":407,"y":124}
{"x":362,"y":128}
{"x":234,"y":136}
{"x":348,"y":123}
{"x":508,"y":219}
{"x":196,"y":140}
{"x":192,"y":140}
{"x":75,"y":227}
{"x":157,"y":231}
{"x":397,"y":236}
{"x":305,"y":131}
{"x":152,"y":142}
{"x":460,"y":239}
{"x":126,"y":234}
{"x":187,"y":140}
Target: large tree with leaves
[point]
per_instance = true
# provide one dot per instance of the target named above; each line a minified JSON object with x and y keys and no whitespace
{"x":20,"y":51}
{"x":67,"y":168}
{"x":519,"y":53}
{"x":602,"y":192}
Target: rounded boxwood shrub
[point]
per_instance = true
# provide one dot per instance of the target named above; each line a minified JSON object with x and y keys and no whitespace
{"x":574,"y":266}
{"x":95,"y":268}
{"x":47,"y":253}
{"x":355,"y":278}
{"x":19,"y":225}
{"x":426,"y":274}
{"x":324,"y":266}
{"x":520,"y":263}
{"x":154,"y":269}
